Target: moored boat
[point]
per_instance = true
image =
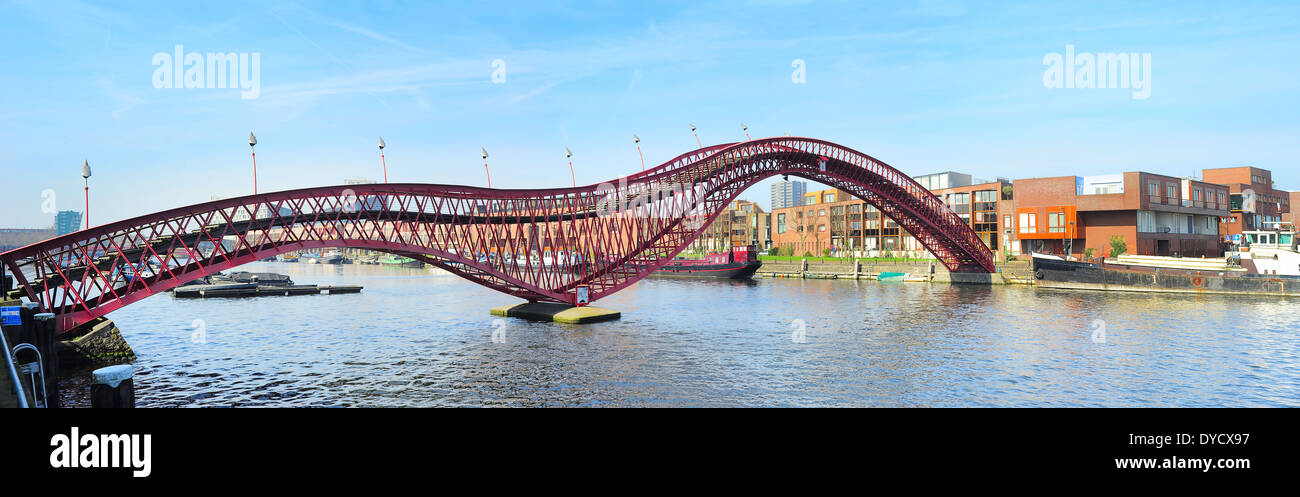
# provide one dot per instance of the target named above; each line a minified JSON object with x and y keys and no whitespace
{"x":1268,"y":263}
{"x":399,"y":261}
{"x":738,"y":263}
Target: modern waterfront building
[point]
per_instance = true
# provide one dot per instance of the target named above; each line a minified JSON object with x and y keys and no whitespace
{"x":743,"y":223}
{"x":1153,"y":214}
{"x":1254,"y":203}
{"x":989,"y":210}
{"x":66,"y":222}
{"x":944,"y":180}
{"x":786,"y":193}
{"x":832,"y":219}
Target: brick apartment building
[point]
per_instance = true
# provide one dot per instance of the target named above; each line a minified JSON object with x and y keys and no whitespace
{"x":1254,"y":203}
{"x":743,"y":223}
{"x":1154,"y":214}
{"x":1289,"y":217}
{"x":833,"y":219}
{"x":988,"y":208}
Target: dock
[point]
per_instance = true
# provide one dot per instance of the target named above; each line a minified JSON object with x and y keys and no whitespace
{"x":253,"y":290}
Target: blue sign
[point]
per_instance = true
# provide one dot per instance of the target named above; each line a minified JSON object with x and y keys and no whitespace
{"x":9,"y":316}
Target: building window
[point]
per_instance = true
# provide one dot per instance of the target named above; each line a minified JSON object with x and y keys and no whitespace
{"x":821,"y":212}
{"x":1171,"y":191}
{"x":1056,"y":222}
{"x":780,"y":223}
{"x":1028,"y":223}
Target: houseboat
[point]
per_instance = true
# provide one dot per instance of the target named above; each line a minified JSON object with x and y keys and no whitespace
{"x":1267,"y":263}
{"x":737,"y":264}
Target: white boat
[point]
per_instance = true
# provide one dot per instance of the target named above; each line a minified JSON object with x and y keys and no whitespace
{"x":1271,"y":252}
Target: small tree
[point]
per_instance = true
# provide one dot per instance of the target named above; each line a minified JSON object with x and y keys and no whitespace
{"x":787,"y":251}
{"x":1117,"y":245}
{"x":826,"y":252}
{"x":1087,"y":253}
{"x":774,"y":251}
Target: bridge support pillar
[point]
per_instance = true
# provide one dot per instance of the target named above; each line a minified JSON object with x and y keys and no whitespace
{"x":559,"y":313}
{"x":97,"y":343}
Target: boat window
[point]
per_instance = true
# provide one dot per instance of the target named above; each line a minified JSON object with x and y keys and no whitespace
{"x":1284,"y":239}
{"x":1251,"y":237}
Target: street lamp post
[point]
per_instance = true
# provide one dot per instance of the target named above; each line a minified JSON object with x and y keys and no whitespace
{"x":485,"y":166}
{"x":569,"y":155}
{"x":381,"y":158}
{"x":85,"y":176}
{"x":252,"y":142}
{"x":637,"y":139}
{"x":697,"y":136}
{"x":1071,"y":235}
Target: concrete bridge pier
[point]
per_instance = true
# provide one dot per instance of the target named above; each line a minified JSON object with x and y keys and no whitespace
{"x":558,"y":313}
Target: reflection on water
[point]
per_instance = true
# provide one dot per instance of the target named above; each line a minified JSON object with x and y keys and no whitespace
{"x":416,"y":338}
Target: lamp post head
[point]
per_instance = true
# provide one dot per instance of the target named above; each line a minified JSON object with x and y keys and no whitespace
{"x":381,"y":143}
{"x":743,"y":127}
{"x":567,"y":153}
{"x":484,"y":152}
{"x":636,"y":138}
{"x":692,"y":127}
{"x":85,"y":169}
{"x":252,"y":140}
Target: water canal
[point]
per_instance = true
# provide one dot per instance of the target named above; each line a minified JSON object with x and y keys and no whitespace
{"x":418,"y":338}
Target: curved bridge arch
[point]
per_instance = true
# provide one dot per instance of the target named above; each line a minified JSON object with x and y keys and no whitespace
{"x":534,"y":244}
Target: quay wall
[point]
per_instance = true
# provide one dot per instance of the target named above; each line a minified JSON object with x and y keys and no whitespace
{"x":931,"y":271}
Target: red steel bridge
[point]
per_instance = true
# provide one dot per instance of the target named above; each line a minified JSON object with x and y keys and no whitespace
{"x":540,"y":245}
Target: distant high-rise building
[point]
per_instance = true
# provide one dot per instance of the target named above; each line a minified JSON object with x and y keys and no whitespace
{"x":786,"y":193}
{"x":66,"y":222}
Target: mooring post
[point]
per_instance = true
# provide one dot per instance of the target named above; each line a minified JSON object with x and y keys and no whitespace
{"x":113,"y":387}
{"x":45,"y":341}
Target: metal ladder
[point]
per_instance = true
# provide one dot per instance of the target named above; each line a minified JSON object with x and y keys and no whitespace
{"x":33,"y":370}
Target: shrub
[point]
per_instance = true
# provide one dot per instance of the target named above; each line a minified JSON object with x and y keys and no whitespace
{"x":1117,"y":245}
{"x":774,"y":251}
{"x":807,"y":254}
{"x":826,"y":252}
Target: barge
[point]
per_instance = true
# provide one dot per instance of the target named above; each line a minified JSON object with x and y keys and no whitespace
{"x":739,"y":263}
{"x":1268,"y":263}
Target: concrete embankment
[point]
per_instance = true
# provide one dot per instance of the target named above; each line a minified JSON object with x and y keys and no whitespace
{"x":913,"y":271}
{"x":98,"y":343}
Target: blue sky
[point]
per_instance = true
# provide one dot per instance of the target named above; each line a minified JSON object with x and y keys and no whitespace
{"x":926,"y":86}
